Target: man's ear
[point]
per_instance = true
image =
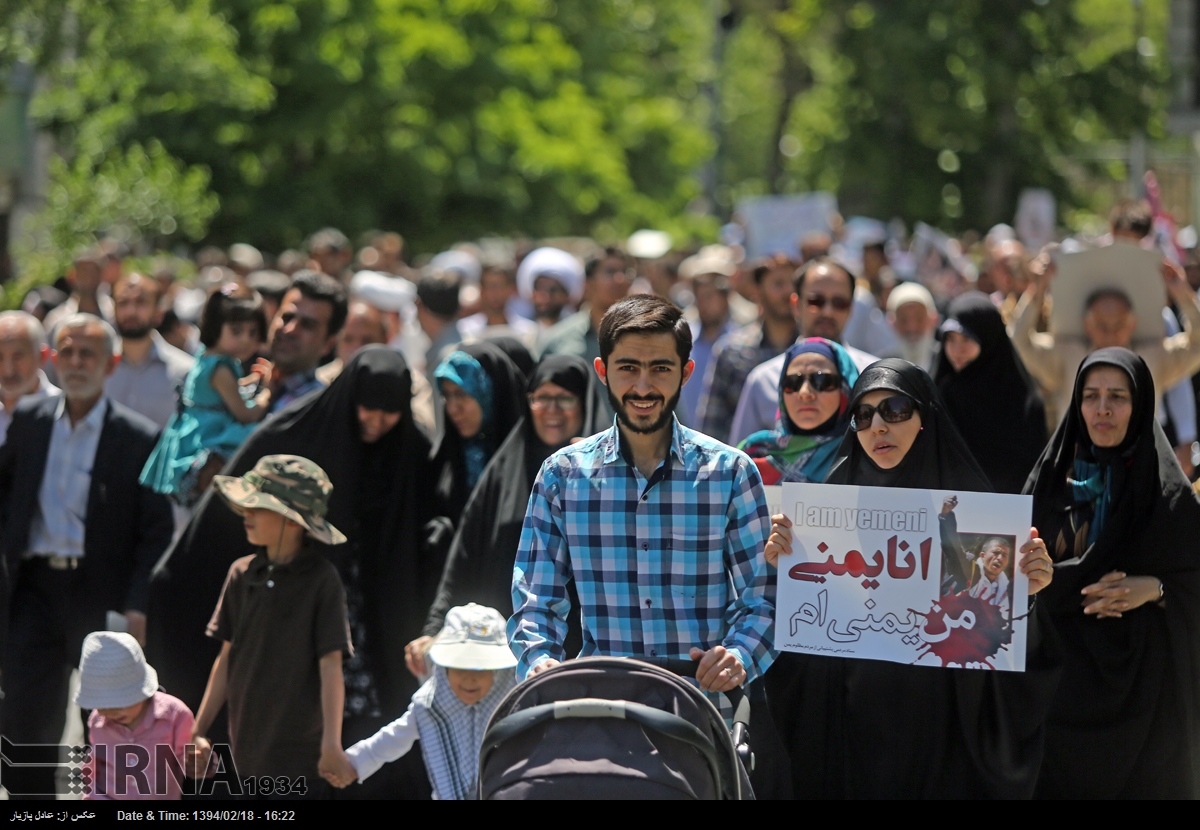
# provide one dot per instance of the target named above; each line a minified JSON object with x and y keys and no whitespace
{"x":44,"y":355}
{"x":688,"y":368}
{"x":601,"y":370}
{"x":112,"y":364}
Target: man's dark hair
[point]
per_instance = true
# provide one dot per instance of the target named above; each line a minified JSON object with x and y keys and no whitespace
{"x":230,"y":304}
{"x":593,"y":261}
{"x":766,"y":265}
{"x":438,"y":292}
{"x":509,"y":275}
{"x":644,"y":314}
{"x":1133,"y":216}
{"x":815,"y":262}
{"x":1000,"y":540}
{"x":1107,"y":293}
{"x":327,"y":239}
{"x":326,"y":289}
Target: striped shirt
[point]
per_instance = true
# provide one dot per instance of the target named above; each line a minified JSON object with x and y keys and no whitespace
{"x":660,"y":565}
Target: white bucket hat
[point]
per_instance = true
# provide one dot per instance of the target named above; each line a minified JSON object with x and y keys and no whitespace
{"x":473,"y":638}
{"x":113,"y":672}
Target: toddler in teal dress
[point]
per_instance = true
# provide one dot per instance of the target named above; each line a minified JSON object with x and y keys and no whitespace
{"x":213,"y":419}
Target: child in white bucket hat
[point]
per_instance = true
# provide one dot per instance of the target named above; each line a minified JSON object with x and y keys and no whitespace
{"x":121,"y":689}
{"x":473,"y":671}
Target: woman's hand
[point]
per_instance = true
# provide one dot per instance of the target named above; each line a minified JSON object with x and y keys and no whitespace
{"x":414,"y":655}
{"x":780,"y":540}
{"x":197,"y":755}
{"x":1036,"y":563}
{"x":335,"y":767}
{"x":948,"y":505}
{"x":1117,"y":593}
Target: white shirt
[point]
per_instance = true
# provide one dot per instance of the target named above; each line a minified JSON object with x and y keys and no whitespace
{"x":868,"y":327}
{"x":759,"y":403}
{"x":389,"y":743}
{"x":58,"y":524}
{"x":45,"y":389}
{"x":994,"y":593}
{"x":150,"y":388}
{"x":475,"y":327}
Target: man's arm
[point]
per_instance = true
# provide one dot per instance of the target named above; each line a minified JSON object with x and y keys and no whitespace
{"x":750,"y":617}
{"x":538,"y":626}
{"x":1181,"y":352}
{"x":1037,"y":349}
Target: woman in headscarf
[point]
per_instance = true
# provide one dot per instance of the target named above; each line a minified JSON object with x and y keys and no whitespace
{"x":484,"y":394}
{"x":565,"y":401}
{"x":361,"y":432}
{"x":1123,"y":527}
{"x":814,"y":411}
{"x":847,"y":723}
{"x":989,"y":395}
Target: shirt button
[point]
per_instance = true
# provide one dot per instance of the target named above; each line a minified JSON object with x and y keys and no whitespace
{"x":645,"y":497}
{"x":645,"y":546}
{"x":653,"y":653}
{"x":647,"y":603}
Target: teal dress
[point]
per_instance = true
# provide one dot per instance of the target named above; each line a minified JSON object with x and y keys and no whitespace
{"x":202,"y":425}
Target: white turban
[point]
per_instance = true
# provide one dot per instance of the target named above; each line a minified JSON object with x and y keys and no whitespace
{"x":464,"y":263}
{"x":551,"y":262}
{"x":382,"y":291}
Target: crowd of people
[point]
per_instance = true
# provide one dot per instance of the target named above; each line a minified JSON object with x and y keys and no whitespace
{"x":339,"y":506}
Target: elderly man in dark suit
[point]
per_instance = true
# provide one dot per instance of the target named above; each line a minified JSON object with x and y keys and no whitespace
{"x":78,"y":535}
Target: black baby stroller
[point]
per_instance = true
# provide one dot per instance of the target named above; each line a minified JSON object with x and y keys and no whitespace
{"x":612,"y":727}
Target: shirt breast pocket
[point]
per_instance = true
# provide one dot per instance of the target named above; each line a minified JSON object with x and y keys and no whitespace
{"x":697,"y":563}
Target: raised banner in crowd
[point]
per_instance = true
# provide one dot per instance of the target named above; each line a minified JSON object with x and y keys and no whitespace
{"x":925,"y":577}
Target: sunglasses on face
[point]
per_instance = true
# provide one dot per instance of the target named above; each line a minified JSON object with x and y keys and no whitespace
{"x":817,"y":381}
{"x":820,"y":301}
{"x":565,"y":403}
{"x":893,"y":410}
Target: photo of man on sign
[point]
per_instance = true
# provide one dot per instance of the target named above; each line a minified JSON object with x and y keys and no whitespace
{"x":979,"y":563}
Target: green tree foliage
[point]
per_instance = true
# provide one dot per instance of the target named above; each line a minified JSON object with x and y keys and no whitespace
{"x":451,"y":119}
{"x":104,"y":69}
{"x":941,"y":110}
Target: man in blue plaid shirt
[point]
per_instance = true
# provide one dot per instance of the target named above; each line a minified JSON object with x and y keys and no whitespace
{"x":660,"y":527}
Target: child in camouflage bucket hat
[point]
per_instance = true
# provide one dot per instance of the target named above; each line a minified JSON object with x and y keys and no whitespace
{"x":281,"y":620}
{"x":289,"y":485}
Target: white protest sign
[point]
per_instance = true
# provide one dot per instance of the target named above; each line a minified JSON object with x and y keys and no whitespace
{"x":774,"y":224}
{"x":1123,"y":266}
{"x":881,"y":574}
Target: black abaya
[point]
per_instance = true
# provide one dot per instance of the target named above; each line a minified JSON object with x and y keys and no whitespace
{"x":397,"y":541}
{"x":873,"y":729}
{"x":1126,"y":719}
{"x":479,"y":567}
{"x":993,"y":402}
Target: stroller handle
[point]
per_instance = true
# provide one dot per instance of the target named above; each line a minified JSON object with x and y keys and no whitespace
{"x":687,"y":668}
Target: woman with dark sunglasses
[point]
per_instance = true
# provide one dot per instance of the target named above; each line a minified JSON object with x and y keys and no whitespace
{"x":814,"y":404}
{"x":873,"y":729}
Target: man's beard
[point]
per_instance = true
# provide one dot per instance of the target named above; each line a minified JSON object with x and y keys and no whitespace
{"x":134,"y":332}
{"x":664,"y":419}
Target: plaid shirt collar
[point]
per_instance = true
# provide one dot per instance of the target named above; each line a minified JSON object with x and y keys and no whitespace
{"x":614,"y":448}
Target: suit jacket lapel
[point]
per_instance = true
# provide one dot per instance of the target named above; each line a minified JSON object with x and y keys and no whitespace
{"x":106,"y":456}
{"x":43,"y":428}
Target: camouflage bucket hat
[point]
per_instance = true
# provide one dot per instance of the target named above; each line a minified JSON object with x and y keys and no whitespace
{"x":289,"y":485}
